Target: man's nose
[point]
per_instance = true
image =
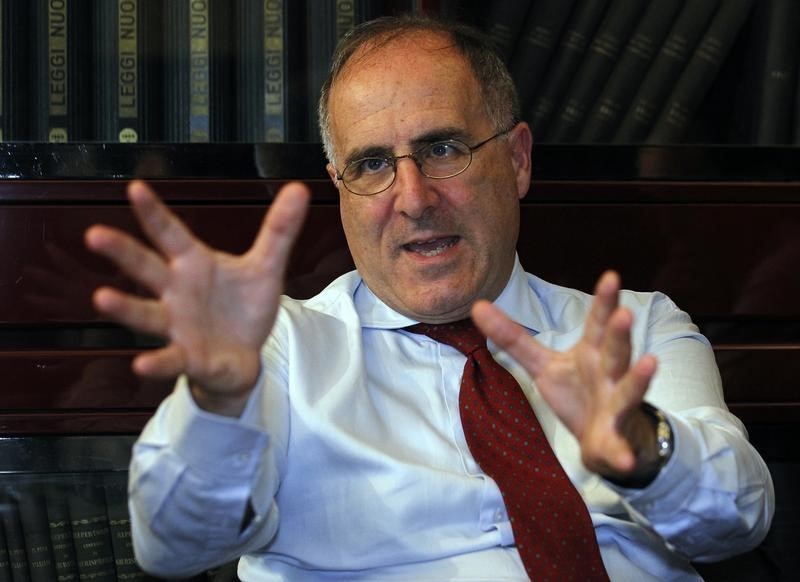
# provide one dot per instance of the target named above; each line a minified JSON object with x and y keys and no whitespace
{"x":412,"y":189}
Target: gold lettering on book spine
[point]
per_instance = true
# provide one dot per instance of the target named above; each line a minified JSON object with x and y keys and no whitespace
{"x":128,"y":58}
{"x":274,"y":96}
{"x":199,"y":71}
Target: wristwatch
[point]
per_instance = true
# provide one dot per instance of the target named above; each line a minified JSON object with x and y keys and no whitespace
{"x":664,"y":443}
{"x":664,"y":440}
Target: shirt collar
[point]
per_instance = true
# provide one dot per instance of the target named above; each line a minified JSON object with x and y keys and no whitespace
{"x":518,"y":300}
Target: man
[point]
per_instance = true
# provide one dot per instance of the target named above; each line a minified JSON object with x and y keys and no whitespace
{"x":322,"y":440}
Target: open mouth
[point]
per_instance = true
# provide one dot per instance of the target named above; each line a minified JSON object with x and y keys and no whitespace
{"x":433,"y":247}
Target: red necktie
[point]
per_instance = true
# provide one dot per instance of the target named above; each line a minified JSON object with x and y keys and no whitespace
{"x":552,"y":528}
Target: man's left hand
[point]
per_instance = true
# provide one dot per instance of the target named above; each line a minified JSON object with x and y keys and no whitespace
{"x":593,"y":387}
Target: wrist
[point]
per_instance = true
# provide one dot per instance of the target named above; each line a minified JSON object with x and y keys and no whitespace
{"x":655,"y":450}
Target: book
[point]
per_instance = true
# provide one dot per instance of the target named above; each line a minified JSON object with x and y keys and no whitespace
{"x":700,"y":72}
{"x":126,"y":49}
{"x":267,"y":59}
{"x":61,"y":91}
{"x":579,"y":30}
{"x":5,"y":565}
{"x":797,"y":112}
{"x":502,"y":22}
{"x":777,"y":84}
{"x":601,"y":56}
{"x":119,"y":522}
{"x":60,"y":528}
{"x":540,"y":34}
{"x":90,"y":531}
{"x":327,"y":21}
{"x":15,"y":540}
{"x":14,"y":66}
{"x":197,"y":72}
{"x":665,"y":69}
{"x":36,"y":532}
{"x":618,"y":92}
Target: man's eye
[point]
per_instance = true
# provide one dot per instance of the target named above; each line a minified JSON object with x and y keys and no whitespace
{"x":441,"y":150}
{"x":372,"y":166}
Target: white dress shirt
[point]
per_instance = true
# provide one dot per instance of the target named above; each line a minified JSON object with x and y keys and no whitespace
{"x":350,"y":461}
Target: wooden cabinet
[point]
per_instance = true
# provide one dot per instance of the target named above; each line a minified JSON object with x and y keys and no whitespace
{"x":716,"y":228}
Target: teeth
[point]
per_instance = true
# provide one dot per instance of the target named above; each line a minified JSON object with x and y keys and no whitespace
{"x":432,"y":247}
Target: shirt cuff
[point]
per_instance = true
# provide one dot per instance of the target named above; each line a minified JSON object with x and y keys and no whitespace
{"x":220,"y":446}
{"x":676,"y":479}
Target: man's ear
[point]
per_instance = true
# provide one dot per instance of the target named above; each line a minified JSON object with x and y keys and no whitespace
{"x":332,"y":173}
{"x":521,"y":141}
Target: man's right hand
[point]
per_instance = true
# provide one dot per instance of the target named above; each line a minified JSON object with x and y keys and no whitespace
{"x":215,"y":310}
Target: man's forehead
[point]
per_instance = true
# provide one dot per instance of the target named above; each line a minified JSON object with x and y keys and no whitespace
{"x":400,"y":47}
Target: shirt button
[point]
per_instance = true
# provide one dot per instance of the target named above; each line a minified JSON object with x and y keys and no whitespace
{"x":241,"y":459}
{"x":499,"y":515}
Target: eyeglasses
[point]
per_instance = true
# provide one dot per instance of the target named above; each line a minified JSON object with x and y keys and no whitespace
{"x":439,"y":160}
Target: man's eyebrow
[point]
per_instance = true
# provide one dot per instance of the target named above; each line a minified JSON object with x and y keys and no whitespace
{"x":440,"y":134}
{"x":428,"y":137}
{"x":370,"y":151}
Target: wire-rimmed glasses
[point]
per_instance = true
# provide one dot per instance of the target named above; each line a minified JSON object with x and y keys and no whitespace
{"x":440,"y":159}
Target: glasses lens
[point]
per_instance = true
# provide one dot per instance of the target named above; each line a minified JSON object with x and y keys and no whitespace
{"x":444,"y":159}
{"x":368,"y":175}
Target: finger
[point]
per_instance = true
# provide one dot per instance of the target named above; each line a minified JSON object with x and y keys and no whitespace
{"x":510,"y":337}
{"x":606,"y":294}
{"x":281,"y":225}
{"x":166,"y":362}
{"x":145,"y":315}
{"x":634,"y":384}
{"x":165,"y":230}
{"x":138,"y":262}
{"x":616,"y":348}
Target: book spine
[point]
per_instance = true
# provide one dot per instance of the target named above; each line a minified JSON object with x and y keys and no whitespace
{"x":797,"y":112}
{"x":63,"y":79}
{"x":779,"y":73}
{"x":5,"y":94}
{"x":541,"y":31}
{"x":196,"y":71}
{"x":503,"y":24}
{"x":665,"y":70}
{"x":126,"y":84}
{"x":66,"y":565}
{"x":275,"y":85}
{"x":120,"y":525}
{"x":326,"y":22}
{"x":580,"y":28}
{"x":36,"y":531}
{"x":5,"y":564}
{"x":262,"y":84}
{"x":199,"y":72}
{"x":15,"y":540}
{"x":90,"y":532}
{"x":700,"y":72}
{"x":15,"y":106}
{"x":603,"y":52}
{"x":617,"y":93}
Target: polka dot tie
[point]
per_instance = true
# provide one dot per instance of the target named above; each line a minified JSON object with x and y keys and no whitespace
{"x":552,"y":528}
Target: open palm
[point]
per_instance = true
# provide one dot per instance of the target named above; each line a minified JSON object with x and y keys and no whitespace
{"x":215,"y":310}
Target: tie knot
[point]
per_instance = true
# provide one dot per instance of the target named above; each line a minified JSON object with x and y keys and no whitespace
{"x":462,"y":334}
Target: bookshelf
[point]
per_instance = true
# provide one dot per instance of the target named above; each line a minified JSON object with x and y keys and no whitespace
{"x":249,"y":71}
{"x":712,"y":219}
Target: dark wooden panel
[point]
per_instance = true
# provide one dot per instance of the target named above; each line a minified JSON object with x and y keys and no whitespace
{"x":49,"y":276}
{"x":727,"y":254}
{"x":713,"y":260}
{"x":56,"y":422}
{"x":80,"y":380}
